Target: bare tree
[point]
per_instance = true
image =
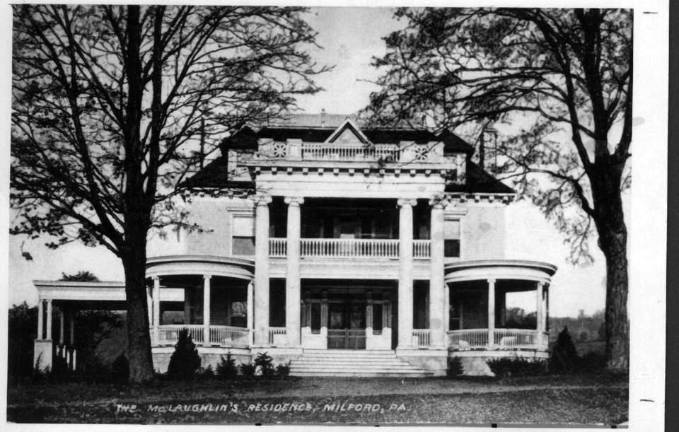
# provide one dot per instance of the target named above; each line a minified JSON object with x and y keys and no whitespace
{"x":567,"y":75}
{"x":111,"y":105}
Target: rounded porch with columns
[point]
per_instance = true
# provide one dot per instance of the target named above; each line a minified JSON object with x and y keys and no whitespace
{"x":213,"y":300}
{"x":479,"y":324}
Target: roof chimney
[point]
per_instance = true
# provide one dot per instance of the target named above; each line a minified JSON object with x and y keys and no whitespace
{"x":322,"y":117}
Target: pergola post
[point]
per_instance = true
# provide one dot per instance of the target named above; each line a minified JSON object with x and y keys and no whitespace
{"x":206,"y":309}
{"x":156,"y":310}
{"x":41,"y":313}
{"x":491,"y":312}
{"x":49,"y":320}
{"x":61,"y":326}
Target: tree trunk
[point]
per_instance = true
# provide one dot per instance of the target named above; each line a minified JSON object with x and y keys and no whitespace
{"x":610,"y":223}
{"x":614,"y":246}
{"x":138,"y":338}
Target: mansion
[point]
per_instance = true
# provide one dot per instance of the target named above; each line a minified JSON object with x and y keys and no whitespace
{"x":343,"y":249}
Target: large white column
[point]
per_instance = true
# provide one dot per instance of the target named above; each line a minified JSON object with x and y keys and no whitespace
{"x":156,"y":310}
{"x":491,"y":312}
{"x":206,"y":309}
{"x":405,"y":279}
{"x":251,"y":309}
{"x":292,"y":279}
{"x":262,"y":269}
{"x":41,"y":313}
{"x":49,"y":320}
{"x":437,"y":296}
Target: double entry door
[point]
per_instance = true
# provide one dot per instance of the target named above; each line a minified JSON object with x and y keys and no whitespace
{"x":346,"y":324}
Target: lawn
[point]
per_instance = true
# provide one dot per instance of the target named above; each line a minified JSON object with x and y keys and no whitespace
{"x":564,"y":399}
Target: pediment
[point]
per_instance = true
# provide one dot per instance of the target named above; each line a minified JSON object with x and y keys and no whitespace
{"x":348,"y":134}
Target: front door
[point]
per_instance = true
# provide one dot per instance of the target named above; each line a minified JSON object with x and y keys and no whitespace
{"x":346,"y":325}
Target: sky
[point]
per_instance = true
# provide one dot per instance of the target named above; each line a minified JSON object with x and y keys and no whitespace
{"x":350,"y":37}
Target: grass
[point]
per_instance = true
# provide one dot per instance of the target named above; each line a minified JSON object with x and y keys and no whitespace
{"x":565,"y":399}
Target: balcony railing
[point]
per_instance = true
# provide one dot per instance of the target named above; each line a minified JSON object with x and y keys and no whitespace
{"x":470,"y":339}
{"x":421,"y":248}
{"x":227,"y":336}
{"x":350,"y":248}
{"x":386,"y":152}
{"x":278,"y":247}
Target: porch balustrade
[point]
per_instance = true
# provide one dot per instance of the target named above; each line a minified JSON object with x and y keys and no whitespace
{"x":422,"y":338}
{"x":276,"y":333}
{"x":349,"y":248}
{"x":228,"y":336}
{"x":386,"y":152}
{"x":469,"y":339}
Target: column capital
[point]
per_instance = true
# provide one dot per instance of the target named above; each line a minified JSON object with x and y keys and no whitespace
{"x":402,"y":202}
{"x":294,"y":200}
{"x":438,"y":202}
{"x":207,"y":276}
{"x":491,"y":281}
{"x":262,"y":200}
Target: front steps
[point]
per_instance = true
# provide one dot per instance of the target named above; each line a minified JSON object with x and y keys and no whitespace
{"x":353,"y":363}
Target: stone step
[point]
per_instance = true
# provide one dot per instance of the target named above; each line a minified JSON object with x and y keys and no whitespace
{"x":362,"y":374}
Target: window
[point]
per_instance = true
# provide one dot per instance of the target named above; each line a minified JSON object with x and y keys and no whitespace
{"x":451,"y":239}
{"x":243,"y":230}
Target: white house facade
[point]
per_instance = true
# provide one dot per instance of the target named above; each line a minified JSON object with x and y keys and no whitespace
{"x":344,"y":249}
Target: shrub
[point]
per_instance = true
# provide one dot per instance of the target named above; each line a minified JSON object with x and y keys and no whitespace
{"x":120,"y":369}
{"x":283,"y":370}
{"x":185,"y":360}
{"x":226,"y":368}
{"x":564,"y":357}
{"x":247,"y":369}
{"x":266,"y":362}
{"x":454,"y":367}
{"x":506,"y":367}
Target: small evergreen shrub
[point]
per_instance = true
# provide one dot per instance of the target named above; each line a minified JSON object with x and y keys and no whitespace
{"x":226,"y":368}
{"x":454,"y":367}
{"x":120,"y":370}
{"x":266,"y":362}
{"x":206,"y":372}
{"x":283,"y":370}
{"x":247,"y":369}
{"x":564,"y":357}
{"x":185,"y":360}
{"x":506,"y":367}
